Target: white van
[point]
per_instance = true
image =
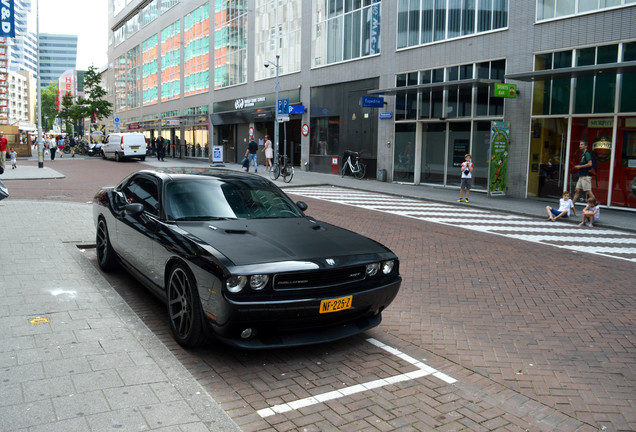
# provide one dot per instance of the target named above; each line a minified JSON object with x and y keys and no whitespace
{"x":121,"y":146}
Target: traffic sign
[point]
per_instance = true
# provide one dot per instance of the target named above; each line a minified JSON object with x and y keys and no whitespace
{"x":283,"y":106}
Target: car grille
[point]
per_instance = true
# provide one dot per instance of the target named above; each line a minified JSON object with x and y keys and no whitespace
{"x":318,"y":279}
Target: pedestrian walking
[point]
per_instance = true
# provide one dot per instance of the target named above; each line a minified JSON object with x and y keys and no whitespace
{"x":3,"y":151}
{"x":252,"y":148}
{"x":52,"y":146}
{"x":467,"y":174}
{"x":160,"y":148}
{"x":584,"y":183}
{"x":269,"y":153}
{"x":14,"y":158}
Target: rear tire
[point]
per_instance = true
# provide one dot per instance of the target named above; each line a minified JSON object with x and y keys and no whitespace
{"x":103,"y":155}
{"x":362,"y":170}
{"x":143,"y":158}
{"x":106,"y":257}
{"x":117,"y":157}
{"x":184,"y":308}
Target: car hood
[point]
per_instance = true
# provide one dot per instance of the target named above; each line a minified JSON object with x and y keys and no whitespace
{"x":270,"y":240}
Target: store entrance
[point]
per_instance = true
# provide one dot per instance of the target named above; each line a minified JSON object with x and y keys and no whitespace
{"x":548,"y":147}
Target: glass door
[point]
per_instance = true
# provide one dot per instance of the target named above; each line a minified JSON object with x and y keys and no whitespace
{"x":458,"y":147}
{"x":433,"y":152}
{"x":548,"y":144}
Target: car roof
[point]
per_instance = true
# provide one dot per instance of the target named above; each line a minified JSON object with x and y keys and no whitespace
{"x":185,"y":172}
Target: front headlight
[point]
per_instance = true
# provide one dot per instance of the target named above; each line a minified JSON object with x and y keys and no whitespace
{"x":258,"y":282}
{"x":387,"y":266}
{"x":235,"y":283}
{"x":372,"y":269}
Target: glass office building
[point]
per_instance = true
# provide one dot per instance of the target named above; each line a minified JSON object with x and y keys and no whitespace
{"x":204,"y":73}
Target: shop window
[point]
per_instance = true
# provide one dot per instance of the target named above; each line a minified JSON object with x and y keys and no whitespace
{"x":628,"y":82}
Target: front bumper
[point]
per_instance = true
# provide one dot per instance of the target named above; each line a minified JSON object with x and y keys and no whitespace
{"x":298,"y":322}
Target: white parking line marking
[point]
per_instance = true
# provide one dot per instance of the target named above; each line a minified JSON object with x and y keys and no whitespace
{"x":422,"y":370}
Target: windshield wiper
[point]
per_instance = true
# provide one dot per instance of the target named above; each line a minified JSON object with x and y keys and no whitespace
{"x":198,"y":218}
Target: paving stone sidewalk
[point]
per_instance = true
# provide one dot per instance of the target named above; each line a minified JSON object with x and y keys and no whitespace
{"x":73,"y":356}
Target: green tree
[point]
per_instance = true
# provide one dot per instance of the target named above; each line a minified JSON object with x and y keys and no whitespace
{"x":96,"y":106}
{"x":49,"y":109}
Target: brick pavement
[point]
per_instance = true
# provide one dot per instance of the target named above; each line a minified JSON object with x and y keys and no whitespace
{"x":537,"y":339}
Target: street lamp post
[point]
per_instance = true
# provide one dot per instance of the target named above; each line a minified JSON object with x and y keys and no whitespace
{"x":276,"y":65}
{"x":39,"y":89}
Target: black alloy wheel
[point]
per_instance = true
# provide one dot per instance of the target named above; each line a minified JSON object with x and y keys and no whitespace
{"x":105,"y":254}
{"x":184,"y":308}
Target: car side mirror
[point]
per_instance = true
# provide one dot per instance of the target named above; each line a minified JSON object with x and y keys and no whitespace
{"x":134,"y":209}
{"x":302,"y":205}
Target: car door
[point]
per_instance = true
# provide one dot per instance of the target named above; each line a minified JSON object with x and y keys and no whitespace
{"x":137,"y":232}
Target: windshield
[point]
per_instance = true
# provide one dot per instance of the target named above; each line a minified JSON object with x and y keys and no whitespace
{"x":213,"y":199}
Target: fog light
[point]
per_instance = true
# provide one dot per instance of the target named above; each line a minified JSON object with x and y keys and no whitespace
{"x":247,"y":333}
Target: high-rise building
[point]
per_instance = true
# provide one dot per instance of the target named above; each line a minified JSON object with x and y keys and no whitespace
{"x":58,"y":53}
{"x":22,"y":49}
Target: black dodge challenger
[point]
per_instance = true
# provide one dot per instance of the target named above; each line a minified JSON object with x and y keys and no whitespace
{"x":233,"y":257}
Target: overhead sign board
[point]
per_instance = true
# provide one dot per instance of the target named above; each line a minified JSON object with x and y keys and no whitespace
{"x":372,"y":102}
{"x":504,"y":90}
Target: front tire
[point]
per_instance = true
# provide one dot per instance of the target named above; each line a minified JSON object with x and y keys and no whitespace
{"x":343,"y":170}
{"x":274,"y":173}
{"x":289,"y":171}
{"x":184,"y":308}
{"x":106,"y":257}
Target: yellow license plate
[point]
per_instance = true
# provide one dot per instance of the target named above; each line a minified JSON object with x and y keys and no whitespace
{"x":134,"y":147}
{"x":335,"y":305}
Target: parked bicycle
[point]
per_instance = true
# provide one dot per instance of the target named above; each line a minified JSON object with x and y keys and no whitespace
{"x":353,"y":163}
{"x":282,"y":167}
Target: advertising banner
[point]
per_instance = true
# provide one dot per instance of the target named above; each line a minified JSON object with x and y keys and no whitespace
{"x":498,"y":170}
{"x":7,"y":18}
{"x":97,"y":130}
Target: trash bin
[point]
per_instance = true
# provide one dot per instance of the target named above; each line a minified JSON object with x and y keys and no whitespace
{"x":381,"y":175}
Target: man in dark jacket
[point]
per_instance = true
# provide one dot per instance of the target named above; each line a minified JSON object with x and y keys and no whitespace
{"x":161,"y":151}
{"x":252,"y":148}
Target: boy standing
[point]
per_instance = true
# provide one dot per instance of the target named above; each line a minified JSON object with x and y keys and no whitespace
{"x":565,"y":204}
{"x":467,"y":174}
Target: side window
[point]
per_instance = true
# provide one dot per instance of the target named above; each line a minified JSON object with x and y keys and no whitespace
{"x":144,"y":191}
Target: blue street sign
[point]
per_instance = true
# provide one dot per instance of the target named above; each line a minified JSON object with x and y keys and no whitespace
{"x":372,"y":102}
{"x":386,"y":115}
{"x":283,"y":106}
{"x":297,"y":109}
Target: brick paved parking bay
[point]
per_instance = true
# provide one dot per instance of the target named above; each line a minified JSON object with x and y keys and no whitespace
{"x":510,"y":335}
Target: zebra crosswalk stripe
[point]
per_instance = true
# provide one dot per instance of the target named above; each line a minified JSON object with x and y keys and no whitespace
{"x":600,"y":241}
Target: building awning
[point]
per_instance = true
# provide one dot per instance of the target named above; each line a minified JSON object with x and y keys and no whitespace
{"x":448,"y":85}
{"x":243,"y":116}
{"x":575,"y":72}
